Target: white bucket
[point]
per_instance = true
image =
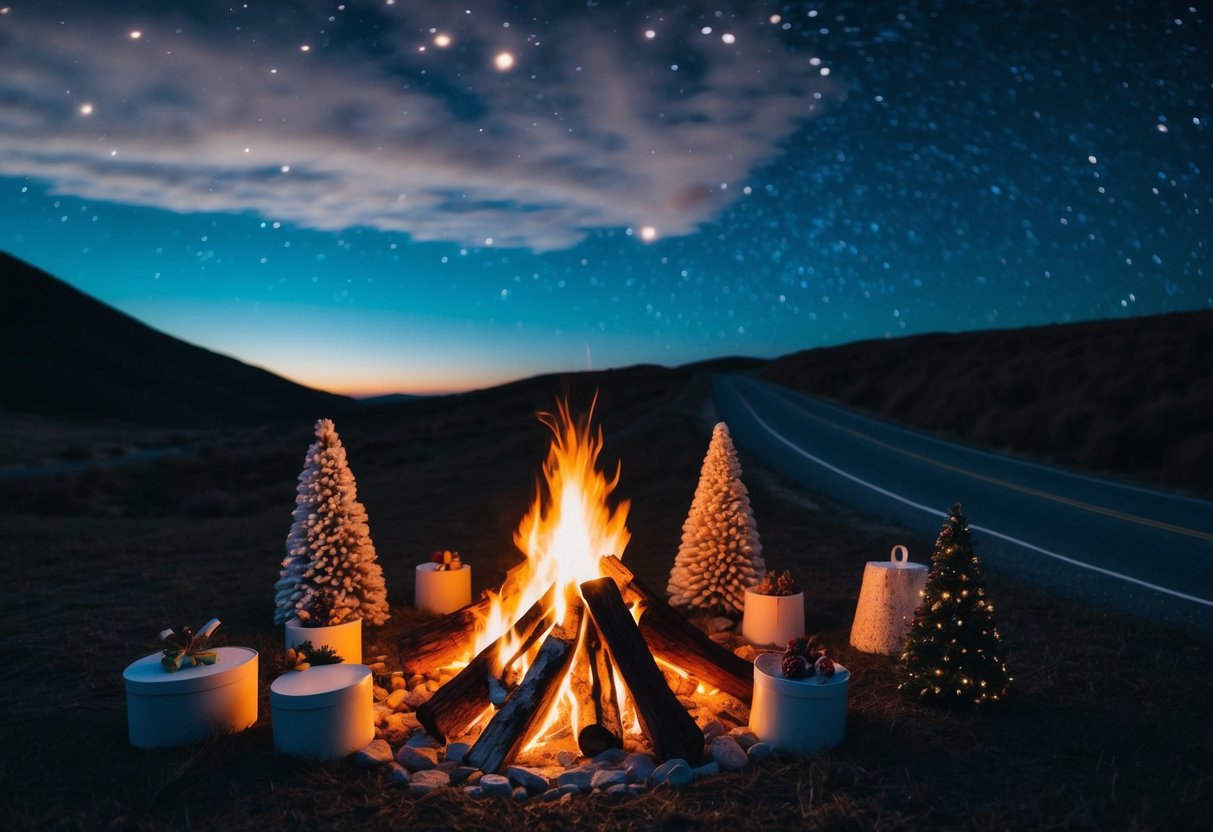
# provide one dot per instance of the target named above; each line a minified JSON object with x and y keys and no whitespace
{"x":166,"y":708}
{"x":770,"y":620}
{"x":442,"y":590}
{"x":345,"y":638}
{"x":323,"y":712}
{"x":801,"y":716}
{"x":886,"y":603}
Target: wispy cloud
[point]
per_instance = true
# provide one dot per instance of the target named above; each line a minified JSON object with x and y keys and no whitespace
{"x":376,"y":124}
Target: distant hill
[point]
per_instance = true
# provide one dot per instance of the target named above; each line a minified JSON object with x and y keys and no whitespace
{"x":66,"y":355}
{"x":1132,"y":396}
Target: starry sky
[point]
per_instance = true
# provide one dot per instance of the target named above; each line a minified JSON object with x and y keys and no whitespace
{"x":426,"y":196}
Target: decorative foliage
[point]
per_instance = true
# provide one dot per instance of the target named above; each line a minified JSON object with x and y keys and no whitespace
{"x":304,"y":655}
{"x":951,"y":654}
{"x":772,"y":584}
{"x":447,"y":560}
{"x":330,"y":572}
{"x":721,"y":554}
{"x":187,"y":648}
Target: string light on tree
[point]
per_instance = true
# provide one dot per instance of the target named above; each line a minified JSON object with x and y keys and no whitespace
{"x":951,"y":654}
{"x":504,"y":61}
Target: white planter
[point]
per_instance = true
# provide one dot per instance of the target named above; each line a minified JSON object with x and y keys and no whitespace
{"x":323,"y":712}
{"x":345,"y":638}
{"x":800,"y":716}
{"x":442,"y":590}
{"x":770,"y":620}
{"x":167,"y":708}
{"x":886,"y":605}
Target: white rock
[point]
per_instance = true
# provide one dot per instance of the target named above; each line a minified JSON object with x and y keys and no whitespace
{"x":395,"y":699}
{"x":581,"y":778}
{"x":566,"y":758}
{"x":608,"y":777}
{"x":639,"y":767}
{"x":376,"y":754}
{"x":744,"y":736}
{"x":417,"y":759}
{"x":712,"y":730}
{"x":529,"y":779}
{"x":397,"y":775}
{"x":473,"y":791}
{"x":420,"y":739}
{"x":496,"y":785}
{"x":424,"y":782}
{"x":614,"y":756}
{"x":719,"y":624}
{"x":675,"y":772}
{"x":551,"y":795}
{"x":456,"y":751}
{"x":460,"y":774}
{"x":759,"y":751}
{"x":417,"y":698}
{"x":706,"y":770}
{"x":521,"y":795}
{"x":729,"y":754}
{"x":618,"y":788}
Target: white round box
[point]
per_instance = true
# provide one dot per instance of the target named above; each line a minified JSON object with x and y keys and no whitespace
{"x":801,"y":716}
{"x":167,"y":708}
{"x":772,"y":619}
{"x":345,"y":638}
{"x":442,"y":590}
{"x":323,"y":712}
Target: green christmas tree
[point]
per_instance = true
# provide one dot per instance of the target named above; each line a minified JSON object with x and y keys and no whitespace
{"x":951,"y":654}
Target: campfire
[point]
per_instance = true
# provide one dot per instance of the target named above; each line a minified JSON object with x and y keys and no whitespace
{"x":571,"y":647}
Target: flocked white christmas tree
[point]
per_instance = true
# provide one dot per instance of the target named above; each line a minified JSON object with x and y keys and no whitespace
{"x":720,"y":553}
{"x":330,"y":560}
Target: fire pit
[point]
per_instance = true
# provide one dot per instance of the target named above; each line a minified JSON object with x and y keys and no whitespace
{"x":572,"y":651}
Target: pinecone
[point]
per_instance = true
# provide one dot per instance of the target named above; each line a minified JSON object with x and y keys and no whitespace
{"x":824,"y":666}
{"x":795,"y":666}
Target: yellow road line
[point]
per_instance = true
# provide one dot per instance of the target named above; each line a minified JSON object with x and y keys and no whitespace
{"x":1035,"y":492}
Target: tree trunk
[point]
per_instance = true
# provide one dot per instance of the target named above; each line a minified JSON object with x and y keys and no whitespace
{"x":675,"y":640}
{"x":670,"y":729}
{"x":526,"y":707}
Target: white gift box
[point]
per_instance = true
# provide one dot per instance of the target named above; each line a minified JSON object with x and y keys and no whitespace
{"x":167,"y":708}
{"x":324,"y":712}
{"x":442,"y":590}
{"x":772,"y":619}
{"x":345,"y":638}
{"x":801,"y":716}
{"x":887,"y":600}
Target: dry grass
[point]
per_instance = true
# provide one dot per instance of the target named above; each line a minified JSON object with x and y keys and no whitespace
{"x":1109,"y":725}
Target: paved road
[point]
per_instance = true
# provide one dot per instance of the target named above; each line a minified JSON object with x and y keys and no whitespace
{"x":1116,"y":544}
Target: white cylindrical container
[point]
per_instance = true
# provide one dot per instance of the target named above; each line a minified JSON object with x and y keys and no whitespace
{"x":887,"y":600}
{"x":324,"y":712}
{"x":772,"y":619}
{"x":345,"y":638}
{"x":442,"y":590}
{"x":166,"y":708}
{"x":801,"y":716}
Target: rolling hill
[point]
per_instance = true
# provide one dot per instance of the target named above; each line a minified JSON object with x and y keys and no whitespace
{"x":66,"y":355}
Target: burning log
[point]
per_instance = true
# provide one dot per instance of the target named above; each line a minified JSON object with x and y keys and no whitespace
{"x":600,"y":723}
{"x":670,"y":729}
{"x":452,"y":637}
{"x":675,"y":640}
{"x":527,"y":705}
{"x":456,"y":704}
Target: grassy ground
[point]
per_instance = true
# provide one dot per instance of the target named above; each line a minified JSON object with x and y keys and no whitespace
{"x":1108,"y":727}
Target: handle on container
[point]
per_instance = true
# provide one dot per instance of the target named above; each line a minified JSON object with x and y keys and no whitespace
{"x":899,"y":554}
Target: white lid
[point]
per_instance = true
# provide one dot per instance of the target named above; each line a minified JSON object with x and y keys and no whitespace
{"x":768,"y":672}
{"x":147,"y":676}
{"x":320,"y":687}
{"x":430,"y":566}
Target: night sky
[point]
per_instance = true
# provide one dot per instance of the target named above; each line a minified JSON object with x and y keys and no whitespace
{"x":427,"y":196}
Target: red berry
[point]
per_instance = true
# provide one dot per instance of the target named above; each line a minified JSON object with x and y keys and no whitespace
{"x":824,"y":666}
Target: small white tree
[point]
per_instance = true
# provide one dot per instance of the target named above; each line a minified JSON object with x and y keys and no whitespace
{"x":720,"y":553}
{"x":330,"y":558}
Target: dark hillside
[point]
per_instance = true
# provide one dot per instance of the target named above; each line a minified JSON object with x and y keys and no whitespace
{"x":1129,"y":397}
{"x":65,"y":355}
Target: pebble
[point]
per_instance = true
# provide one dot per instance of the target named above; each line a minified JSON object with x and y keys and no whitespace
{"x":719,"y":624}
{"x":581,"y":778}
{"x":747,"y":652}
{"x":676,"y":772}
{"x":569,"y":789}
{"x":551,"y":795}
{"x":457,"y":751}
{"x":607,"y":777}
{"x":381,"y":713}
{"x":521,"y":795}
{"x":759,"y":751}
{"x":566,"y":758}
{"x":397,"y":775}
{"x":417,"y":698}
{"x":639,"y":767}
{"x":721,"y":638}
{"x":460,"y":774}
{"x":712,"y":730}
{"x":421,"y":739}
{"x":706,"y":770}
{"x":731,"y":756}
{"x":378,"y":668}
{"x":395,"y":699}
{"x":424,"y":782}
{"x":473,"y":791}
{"x":379,"y":693}
{"x":614,"y":756}
{"x":686,"y":687}
{"x":417,"y":759}
{"x":528,"y":779}
{"x":447,"y":765}
{"x":415,"y":680}
{"x":744,"y":736}
{"x":496,"y":785}
{"x":637,"y":789}
{"x":618,"y":788}
{"x":376,"y":754}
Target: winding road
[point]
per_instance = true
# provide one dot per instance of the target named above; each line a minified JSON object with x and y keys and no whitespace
{"x":1112,"y":543}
